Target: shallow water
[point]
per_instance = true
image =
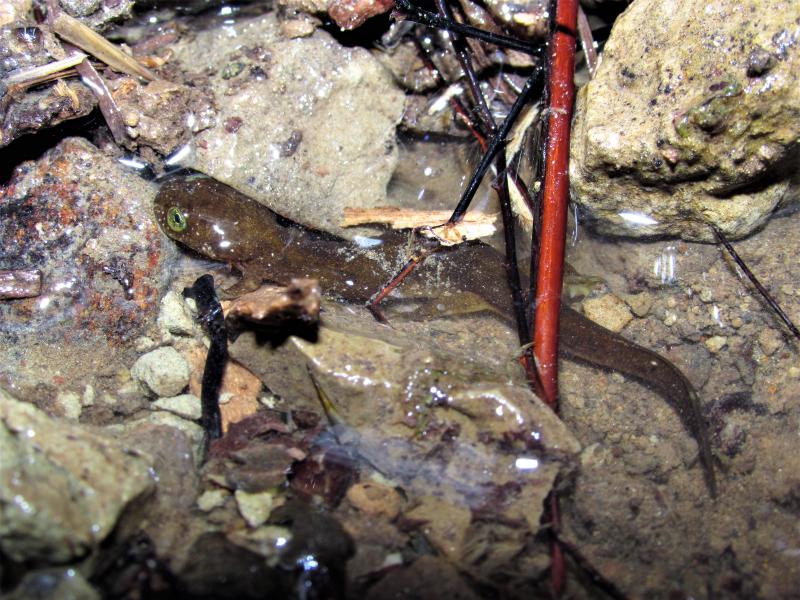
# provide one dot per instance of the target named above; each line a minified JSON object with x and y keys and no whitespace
{"x":385,"y":467}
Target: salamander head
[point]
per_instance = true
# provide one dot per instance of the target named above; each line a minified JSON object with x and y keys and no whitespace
{"x":212,"y":219}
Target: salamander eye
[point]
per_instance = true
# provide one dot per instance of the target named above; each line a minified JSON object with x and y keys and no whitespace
{"x":176,"y":220}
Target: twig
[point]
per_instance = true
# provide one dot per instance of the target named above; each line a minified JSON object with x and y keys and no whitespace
{"x":587,"y":42}
{"x":497,"y":144}
{"x":561,"y":92}
{"x":108,"y":106}
{"x":773,"y":304}
{"x":36,"y":75}
{"x":404,"y":9}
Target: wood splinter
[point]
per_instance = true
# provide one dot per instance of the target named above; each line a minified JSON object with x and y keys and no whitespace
{"x":430,"y":223}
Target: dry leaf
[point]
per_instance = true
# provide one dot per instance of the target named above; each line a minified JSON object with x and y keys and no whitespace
{"x":95,"y":44}
{"x":240,"y":388}
{"x":272,"y":305}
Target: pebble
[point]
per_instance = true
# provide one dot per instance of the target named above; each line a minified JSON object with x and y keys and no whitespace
{"x":375,"y":499}
{"x":70,"y":404}
{"x":255,"y":508}
{"x":185,"y":405}
{"x":88,"y":396}
{"x":770,"y":341}
{"x":716,"y":343}
{"x":211,"y":499}
{"x":163,"y":372}
{"x":174,"y":316}
{"x":639,"y":303}
{"x":608,"y":311}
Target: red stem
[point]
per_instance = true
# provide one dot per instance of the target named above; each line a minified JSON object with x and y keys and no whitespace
{"x":555,"y":199}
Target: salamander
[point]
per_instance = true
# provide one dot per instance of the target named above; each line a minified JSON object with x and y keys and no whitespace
{"x":222,"y":224}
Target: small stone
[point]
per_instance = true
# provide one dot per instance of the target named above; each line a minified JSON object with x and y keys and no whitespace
{"x":131,"y":118}
{"x":706,"y":295}
{"x":193,"y":431}
{"x":794,"y":372}
{"x":639,"y":303}
{"x":211,"y":499}
{"x":787,"y":289}
{"x":144,"y":344}
{"x":297,"y":28}
{"x":70,"y":404}
{"x":174,"y":316}
{"x":163,"y":372}
{"x":255,"y":508}
{"x":88,"y":396}
{"x":608,"y":311}
{"x":185,"y":405}
{"x":716,"y":343}
{"x":770,"y":341}
{"x":736,"y":322}
{"x":670,"y":318}
{"x":374,"y":499}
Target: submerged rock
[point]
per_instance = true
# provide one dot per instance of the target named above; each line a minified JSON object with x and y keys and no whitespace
{"x":305,"y":126}
{"x":53,"y":584}
{"x":466,"y":444}
{"x":62,"y":487}
{"x":84,"y":222}
{"x":693,"y":117}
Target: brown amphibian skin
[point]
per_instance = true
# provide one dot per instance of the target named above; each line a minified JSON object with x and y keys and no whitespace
{"x":223,"y":224}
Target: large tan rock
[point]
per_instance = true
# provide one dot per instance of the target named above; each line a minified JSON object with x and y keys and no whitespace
{"x":305,"y":126}
{"x":692,"y":118}
{"x":62,"y":486}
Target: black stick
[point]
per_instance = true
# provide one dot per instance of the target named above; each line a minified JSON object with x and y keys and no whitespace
{"x":404,"y":9}
{"x":209,"y":314}
{"x":497,"y":143}
{"x":773,"y":304}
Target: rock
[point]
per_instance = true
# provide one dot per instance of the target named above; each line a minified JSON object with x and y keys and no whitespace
{"x":211,"y":499}
{"x":255,"y":508}
{"x":529,"y":17}
{"x":691,"y":118}
{"x":716,"y":343}
{"x":770,"y":341}
{"x":444,"y":525}
{"x":167,"y":518}
{"x":53,"y":584}
{"x":174,"y":316}
{"x":163,"y":372}
{"x":349,"y":14}
{"x":86,"y":223}
{"x":639,"y":304}
{"x":185,"y":405}
{"x":44,"y":463}
{"x":476,"y":461}
{"x":70,"y":404}
{"x":375,"y":499}
{"x":608,"y":311}
{"x":305,"y":126}
{"x":426,"y":578}
{"x":192,"y":430}
{"x":161,"y":115}
{"x":97,"y":14}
